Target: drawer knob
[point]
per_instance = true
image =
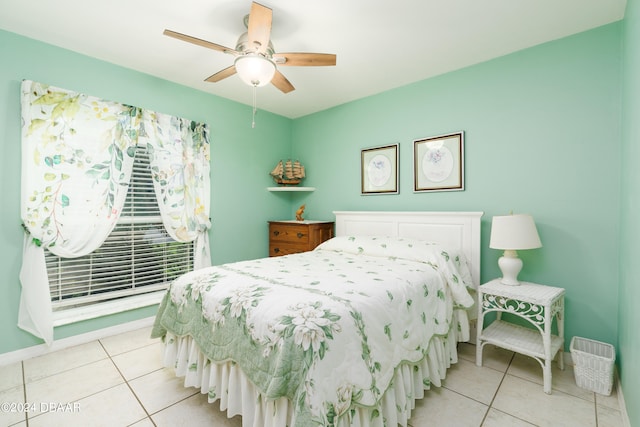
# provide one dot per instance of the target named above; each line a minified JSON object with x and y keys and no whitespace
{"x":276,"y":233}
{"x":276,"y":250}
{"x":300,"y":235}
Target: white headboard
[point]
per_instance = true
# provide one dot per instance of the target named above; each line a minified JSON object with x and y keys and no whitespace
{"x":455,"y":230}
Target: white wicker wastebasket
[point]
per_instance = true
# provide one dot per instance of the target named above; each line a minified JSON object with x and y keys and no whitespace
{"x":593,"y":364}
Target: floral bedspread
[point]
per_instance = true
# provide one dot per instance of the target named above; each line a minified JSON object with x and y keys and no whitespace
{"x":325,"y":328}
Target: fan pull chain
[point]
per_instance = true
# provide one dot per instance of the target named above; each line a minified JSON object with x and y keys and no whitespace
{"x":253,"y":119}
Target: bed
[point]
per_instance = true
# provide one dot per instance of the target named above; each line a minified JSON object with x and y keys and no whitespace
{"x":349,"y":334}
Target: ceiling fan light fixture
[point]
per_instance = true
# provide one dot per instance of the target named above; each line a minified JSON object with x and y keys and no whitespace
{"x":255,"y":70}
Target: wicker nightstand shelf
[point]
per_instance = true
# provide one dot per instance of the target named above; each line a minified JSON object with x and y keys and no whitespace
{"x":539,"y":305}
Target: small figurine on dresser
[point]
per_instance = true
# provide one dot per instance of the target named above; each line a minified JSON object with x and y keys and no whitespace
{"x":299,"y":213}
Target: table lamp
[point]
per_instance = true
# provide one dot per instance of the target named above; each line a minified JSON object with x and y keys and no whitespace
{"x":512,"y":233}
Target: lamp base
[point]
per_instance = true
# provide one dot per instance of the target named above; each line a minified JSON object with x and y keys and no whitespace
{"x":510,"y":265}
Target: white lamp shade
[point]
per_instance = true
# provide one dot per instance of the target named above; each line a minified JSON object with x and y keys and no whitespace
{"x":514,"y":232}
{"x":255,"y":70}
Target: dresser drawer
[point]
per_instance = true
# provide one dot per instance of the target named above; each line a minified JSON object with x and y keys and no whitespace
{"x":289,"y":233}
{"x":284,"y":248}
{"x":291,"y":237}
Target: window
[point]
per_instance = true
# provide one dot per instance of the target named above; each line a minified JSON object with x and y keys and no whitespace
{"x":78,"y":151}
{"x":137,"y":258}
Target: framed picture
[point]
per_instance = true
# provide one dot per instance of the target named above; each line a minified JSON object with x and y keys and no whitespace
{"x":379,"y":170}
{"x":438,"y":163}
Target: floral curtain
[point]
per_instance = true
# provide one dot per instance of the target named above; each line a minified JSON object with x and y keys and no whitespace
{"x":77,"y":158}
{"x":179,"y":151}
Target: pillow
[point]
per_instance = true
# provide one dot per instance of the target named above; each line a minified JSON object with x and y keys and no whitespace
{"x":452,"y":264}
{"x":396,"y":247}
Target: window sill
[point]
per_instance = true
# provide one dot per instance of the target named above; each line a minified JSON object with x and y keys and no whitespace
{"x":73,"y":315}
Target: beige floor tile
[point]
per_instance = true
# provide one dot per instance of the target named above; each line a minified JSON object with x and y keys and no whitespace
{"x":528,"y":368}
{"x":74,"y":384}
{"x":467,"y":351}
{"x":610,"y":401}
{"x":492,"y":357}
{"x":527,"y":401}
{"x":128,"y":341}
{"x":141,"y":361}
{"x":608,"y":417}
{"x":62,"y":360}
{"x":469,"y":380}
{"x":116,"y":406}
{"x":10,"y":376}
{"x":13,"y":408}
{"x":144,"y":423}
{"x":201,"y":413}
{"x":500,"y":419}
{"x":85,"y":375}
{"x":443,"y":407}
{"x":160,"y":389}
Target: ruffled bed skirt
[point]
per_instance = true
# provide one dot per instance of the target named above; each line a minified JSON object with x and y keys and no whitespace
{"x":238,"y":396}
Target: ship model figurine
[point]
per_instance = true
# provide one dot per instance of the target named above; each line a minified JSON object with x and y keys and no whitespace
{"x":288,"y":173}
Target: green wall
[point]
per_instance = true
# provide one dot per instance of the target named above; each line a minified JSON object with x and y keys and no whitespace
{"x":629,"y":337}
{"x":542,"y":132}
{"x":241,"y":158}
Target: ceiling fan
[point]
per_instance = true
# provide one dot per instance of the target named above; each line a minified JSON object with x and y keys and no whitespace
{"x":255,"y":58}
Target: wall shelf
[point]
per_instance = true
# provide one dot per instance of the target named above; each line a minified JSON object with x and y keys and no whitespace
{"x":291,"y":188}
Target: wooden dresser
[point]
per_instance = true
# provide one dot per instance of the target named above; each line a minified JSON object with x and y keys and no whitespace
{"x":290,"y":237}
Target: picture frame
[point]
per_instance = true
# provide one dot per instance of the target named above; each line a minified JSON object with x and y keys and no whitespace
{"x":438,"y":163}
{"x":379,"y":170}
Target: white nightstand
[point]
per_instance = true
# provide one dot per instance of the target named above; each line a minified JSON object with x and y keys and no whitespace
{"x":535,"y":303}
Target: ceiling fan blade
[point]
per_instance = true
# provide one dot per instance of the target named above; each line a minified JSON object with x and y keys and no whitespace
{"x":259,"y":27}
{"x":198,"y":41}
{"x":222,"y":74}
{"x":281,"y":82}
{"x":305,"y":59}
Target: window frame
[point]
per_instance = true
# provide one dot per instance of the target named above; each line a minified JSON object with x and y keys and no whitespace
{"x":147,"y":213}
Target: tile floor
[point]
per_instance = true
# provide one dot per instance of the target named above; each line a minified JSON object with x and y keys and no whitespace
{"x":119,"y":381}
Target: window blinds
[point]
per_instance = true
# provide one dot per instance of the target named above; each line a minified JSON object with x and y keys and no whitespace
{"x":137,"y":257}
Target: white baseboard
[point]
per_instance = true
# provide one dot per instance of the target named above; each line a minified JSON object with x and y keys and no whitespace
{"x":41,"y":349}
{"x":623,"y":407}
{"x":473,"y":331}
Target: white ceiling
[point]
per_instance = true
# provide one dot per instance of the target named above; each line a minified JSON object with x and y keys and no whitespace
{"x":379,"y":45}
